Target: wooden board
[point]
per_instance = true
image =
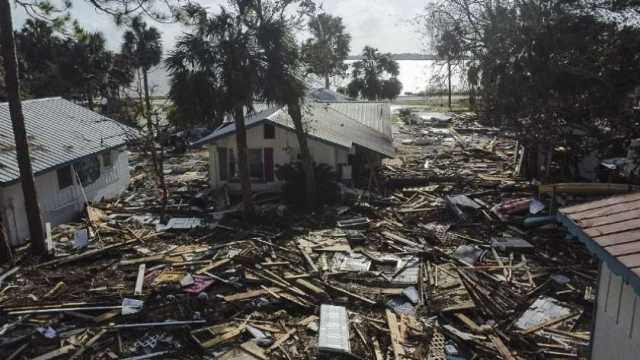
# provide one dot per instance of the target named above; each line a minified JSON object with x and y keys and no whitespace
{"x":394,"y":333}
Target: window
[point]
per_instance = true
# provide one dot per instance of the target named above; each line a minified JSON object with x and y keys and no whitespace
{"x":65,"y":179}
{"x":269,"y":131}
{"x":107,"y":160}
{"x":256,"y":167}
{"x":88,"y":170}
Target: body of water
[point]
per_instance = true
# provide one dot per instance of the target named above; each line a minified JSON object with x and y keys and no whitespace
{"x":415,"y":75}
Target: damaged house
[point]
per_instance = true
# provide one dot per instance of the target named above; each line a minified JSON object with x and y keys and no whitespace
{"x":351,"y":137}
{"x":77,"y":156}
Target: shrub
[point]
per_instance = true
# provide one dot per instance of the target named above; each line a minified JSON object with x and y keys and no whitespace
{"x":293,"y":190}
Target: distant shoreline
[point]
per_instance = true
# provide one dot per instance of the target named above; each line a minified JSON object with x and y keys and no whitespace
{"x":404,"y":57}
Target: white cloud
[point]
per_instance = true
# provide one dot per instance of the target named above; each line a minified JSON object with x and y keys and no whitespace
{"x":385,"y":24}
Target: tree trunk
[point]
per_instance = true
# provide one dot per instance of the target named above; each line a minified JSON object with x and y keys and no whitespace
{"x":243,"y":162}
{"x":307,"y":160}
{"x":449,"y":80}
{"x":148,"y":116}
{"x":327,"y":81}
{"x":8,"y":50}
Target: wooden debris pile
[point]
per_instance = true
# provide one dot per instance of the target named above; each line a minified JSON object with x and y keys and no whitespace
{"x":456,"y":259}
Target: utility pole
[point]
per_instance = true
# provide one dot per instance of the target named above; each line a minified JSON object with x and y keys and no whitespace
{"x":8,"y":51}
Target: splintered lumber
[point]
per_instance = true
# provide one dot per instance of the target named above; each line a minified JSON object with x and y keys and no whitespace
{"x":140,"y":280}
{"x":470,"y":323}
{"x":307,"y":258}
{"x":213,"y":266}
{"x":548,"y":323}
{"x":5,"y":275}
{"x":501,"y":347}
{"x":334,"y":329}
{"x":197,"y":335}
{"x":377,"y":351}
{"x":55,"y":310}
{"x":252,"y":348}
{"x":311,"y":287}
{"x":87,"y":345}
{"x":142,"y":260}
{"x":345,"y":292}
{"x":587,"y":188}
{"x":281,"y":340}
{"x":85,"y":255}
{"x":394,"y":333}
{"x":245,"y":295}
{"x":307,"y":321}
{"x":400,"y":239}
{"x":55,"y":353}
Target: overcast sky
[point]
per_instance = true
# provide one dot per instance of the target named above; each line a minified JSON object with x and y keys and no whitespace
{"x":385,"y":24}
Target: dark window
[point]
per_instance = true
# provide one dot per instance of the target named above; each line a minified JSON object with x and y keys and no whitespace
{"x":223,"y":161}
{"x":107,"y":160}
{"x":65,"y":179}
{"x":256,"y":167}
{"x":269,"y":131}
{"x":88,"y":170}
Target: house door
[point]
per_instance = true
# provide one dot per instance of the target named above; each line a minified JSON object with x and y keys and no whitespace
{"x":268,"y":164}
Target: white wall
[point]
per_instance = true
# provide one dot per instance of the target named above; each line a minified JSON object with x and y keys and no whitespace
{"x":617,"y":327}
{"x":285,"y":150}
{"x":61,"y":206}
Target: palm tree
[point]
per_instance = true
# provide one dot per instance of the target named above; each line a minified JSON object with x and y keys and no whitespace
{"x":329,"y":46}
{"x":282,"y":84}
{"x":143,"y":46}
{"x":222,"y":50}
{"x":8,"y":52}
{"x":246,"y":54}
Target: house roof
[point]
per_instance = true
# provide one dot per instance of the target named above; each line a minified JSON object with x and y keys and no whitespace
{"x":610,"y":229}
{"x":58,"y":132}
{"x":322,"y":122}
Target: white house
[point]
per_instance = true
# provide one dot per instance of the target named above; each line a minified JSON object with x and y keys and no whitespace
{"x":351,"y":137}
{"x":75,"y":153}
{"x":610,"y":229}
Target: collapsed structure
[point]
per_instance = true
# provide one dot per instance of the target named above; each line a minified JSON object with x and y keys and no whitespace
{"x":77,"y":156}
{"x":351,"y":137}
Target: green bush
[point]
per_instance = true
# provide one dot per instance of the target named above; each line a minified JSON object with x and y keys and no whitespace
{"x":293,"y":190}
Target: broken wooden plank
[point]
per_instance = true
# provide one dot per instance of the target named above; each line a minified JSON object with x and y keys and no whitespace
{"x":345,"y":292}
{"x":281,"y":340}
{"x":85,"y":255}
{"x":252,"y":348}
{"x":55,"y":353}
{"x":394,"y":333}
{"x":400,"y":239}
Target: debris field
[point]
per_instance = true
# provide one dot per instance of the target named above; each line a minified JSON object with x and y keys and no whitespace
{"x":450,"y":256}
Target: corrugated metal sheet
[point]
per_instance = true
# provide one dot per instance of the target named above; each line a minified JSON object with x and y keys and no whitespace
{"x":611,"y":229}
{"x":322,"y":122}
{"x":58,"y":131}
{"x":376,"y":115}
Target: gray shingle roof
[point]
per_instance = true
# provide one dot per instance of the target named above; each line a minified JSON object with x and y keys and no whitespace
{"x":322,"y":122}
{"x":59,"y":132}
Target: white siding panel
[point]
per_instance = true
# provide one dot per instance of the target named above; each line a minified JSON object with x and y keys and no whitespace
{"x":617,"y":328}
